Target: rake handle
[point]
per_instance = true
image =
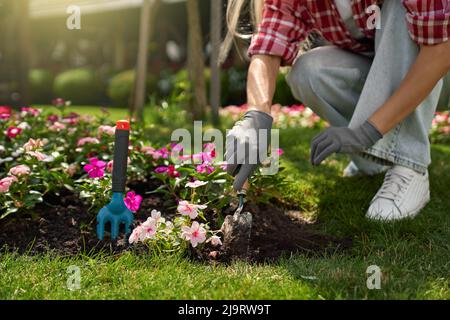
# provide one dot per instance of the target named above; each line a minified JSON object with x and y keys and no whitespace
{"x":120,"y":162}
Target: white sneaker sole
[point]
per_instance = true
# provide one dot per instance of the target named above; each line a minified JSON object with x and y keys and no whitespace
{"x":410,"y":215}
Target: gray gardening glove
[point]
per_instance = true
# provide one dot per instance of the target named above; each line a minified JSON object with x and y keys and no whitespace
{"x":242,"y":147}
{"x":343,"y":140}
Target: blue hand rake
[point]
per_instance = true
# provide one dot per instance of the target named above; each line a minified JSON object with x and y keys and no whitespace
{"x":116,"y":212}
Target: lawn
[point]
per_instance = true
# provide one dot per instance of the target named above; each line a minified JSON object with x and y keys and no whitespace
{"x":413,"y":255}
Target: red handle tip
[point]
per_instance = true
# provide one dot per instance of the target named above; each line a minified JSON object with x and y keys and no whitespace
{"x":123,"y":125}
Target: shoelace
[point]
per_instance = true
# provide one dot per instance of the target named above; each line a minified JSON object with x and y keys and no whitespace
{"x":394,"y":185}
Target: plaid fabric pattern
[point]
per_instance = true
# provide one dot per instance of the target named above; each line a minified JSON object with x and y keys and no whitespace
{"x":428,"y":21}
{"x":286,"y":23}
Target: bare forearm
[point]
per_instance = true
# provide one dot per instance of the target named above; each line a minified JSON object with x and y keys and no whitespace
{"x":430,"y":66}
{"x":261,"y":81}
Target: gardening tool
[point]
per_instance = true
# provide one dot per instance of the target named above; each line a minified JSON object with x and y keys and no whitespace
{"x":238,"y":227}
{"x":116,"y":212}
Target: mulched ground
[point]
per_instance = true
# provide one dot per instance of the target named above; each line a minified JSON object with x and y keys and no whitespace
{"x":65,"y":226}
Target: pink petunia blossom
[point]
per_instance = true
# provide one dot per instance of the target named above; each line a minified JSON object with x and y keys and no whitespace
{"x":25,"y":111}
{"x":279,"y":151}
{"x":59,"y":102}
{"x":52,"y":118}
{"x":57,"y":126}
{"x":20,"y":170}
{"x":108,"y":130}
{"x":135,"y":235}
{"x":205,"y":168}
{"x":163,"y":152}
{"x":33,"y":144}
{"x":196,"y":184}
{"x":87,"y":140}
{"x":5,"y":110}
{"x":133,"y":201}
{"x":109,"y":166}
{"x":169,"y":170}
{"x":6,"y":183}
{"x":40,"y":156}
{"x":149,"y":229}
{"x":195,"y":233}
{"x":13,"y":132}
{"x":95,"y":168}
{"x":188,"y":209}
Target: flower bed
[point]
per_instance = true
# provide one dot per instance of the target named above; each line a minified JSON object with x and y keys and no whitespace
{"x":284,"y":116}
{"x":55,"y":174}
{"x":440,"y":129}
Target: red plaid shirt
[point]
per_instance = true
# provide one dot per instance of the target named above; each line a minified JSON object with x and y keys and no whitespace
{"x":286,"y":23}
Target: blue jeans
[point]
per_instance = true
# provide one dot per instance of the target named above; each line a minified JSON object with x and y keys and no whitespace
{"x":346,"y":88}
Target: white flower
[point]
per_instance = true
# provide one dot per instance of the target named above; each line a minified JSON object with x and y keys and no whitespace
{"x":215,"y":240}
{"x":24,"y":126}
{"x":196,"y":184}
{"x":156,"y":215}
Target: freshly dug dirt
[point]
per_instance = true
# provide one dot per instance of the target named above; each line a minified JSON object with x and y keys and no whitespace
{"x":64,"y":225}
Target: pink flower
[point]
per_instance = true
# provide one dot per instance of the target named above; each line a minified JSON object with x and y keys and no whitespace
{"x":195,"y":234}
{"x":135,"y":235}
{"x":445,"y":130}
{"x":149,"y":229}
{"x":5,"y":183}
{"x":5,"y":112}
{"x":33,"y":144}
{"x":13,"y":132}
{"x":169,"y":170}
{"x":109,"y":166}
{"x":57,"y":126}
{"x":205,"y":168}
{"x":280,"y":151}
{"x":188,"y":209}
{"x":151,"y":151}
{"x":59,"y":102}
{"x":30,"y":111}
{"x":52,"y":118}
{"x":95,"y":168}
{"x":215,"y":240}
{"x":20,"y":170}
{"x":196,"y":184}
{"x":86,"y":140}
{"x":39,"y":155}
{"x":176,"y":147}
{"x":108,"y":130}
{"x":133,"y":201}
{"x":163,"y":152}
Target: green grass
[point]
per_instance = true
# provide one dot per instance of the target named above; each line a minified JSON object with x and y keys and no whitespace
{"x":413,"y":255}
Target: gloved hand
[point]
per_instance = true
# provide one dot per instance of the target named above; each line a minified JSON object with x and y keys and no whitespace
{"x":343,"y":140}
{"x":242,"y":147}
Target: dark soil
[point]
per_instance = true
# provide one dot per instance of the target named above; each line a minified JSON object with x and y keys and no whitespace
{"x":64,"y":225}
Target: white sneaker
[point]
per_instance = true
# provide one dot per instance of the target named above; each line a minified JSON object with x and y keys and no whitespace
{"x":403,"y":194}
{"x":352,"y":170}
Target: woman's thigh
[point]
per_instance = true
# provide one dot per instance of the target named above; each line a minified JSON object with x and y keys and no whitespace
{"x":329,"y":80}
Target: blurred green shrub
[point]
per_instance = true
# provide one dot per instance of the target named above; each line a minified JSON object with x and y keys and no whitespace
{"x":80,"y":86}
{"x":121,"y":87}
{"x":283,"y":94}
{"x":41,"y":85}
